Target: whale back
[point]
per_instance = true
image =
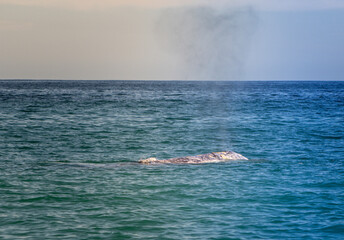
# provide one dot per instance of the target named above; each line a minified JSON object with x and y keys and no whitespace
{"x":198,"y":159}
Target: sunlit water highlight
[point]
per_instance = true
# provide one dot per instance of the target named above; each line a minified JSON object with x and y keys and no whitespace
{"x":68,"y":153}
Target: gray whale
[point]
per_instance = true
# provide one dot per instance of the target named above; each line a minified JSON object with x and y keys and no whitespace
{"x":214,"y":157}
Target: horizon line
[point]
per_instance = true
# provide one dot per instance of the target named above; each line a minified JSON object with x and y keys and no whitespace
{"x":173,"y":80}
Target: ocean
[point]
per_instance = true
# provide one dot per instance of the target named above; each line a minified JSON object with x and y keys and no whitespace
{"x":69,"y":152}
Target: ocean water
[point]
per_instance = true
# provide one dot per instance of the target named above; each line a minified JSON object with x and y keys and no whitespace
{"x":69,"y":152}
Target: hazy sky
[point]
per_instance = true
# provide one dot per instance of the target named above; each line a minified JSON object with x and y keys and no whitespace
{"x":165,"y":39}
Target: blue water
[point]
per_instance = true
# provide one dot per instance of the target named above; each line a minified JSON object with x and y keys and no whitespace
{"x":69,"y":151}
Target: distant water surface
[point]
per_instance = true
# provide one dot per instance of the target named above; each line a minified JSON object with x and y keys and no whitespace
{"x":69,"y":151}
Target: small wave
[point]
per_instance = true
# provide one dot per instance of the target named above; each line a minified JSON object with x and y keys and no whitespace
{"x":338,"y":228}
{"x":326,"y":136}
{"x":95,"y":165}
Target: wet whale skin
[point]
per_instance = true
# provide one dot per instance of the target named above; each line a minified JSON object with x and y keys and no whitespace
{"x":198,"y":159}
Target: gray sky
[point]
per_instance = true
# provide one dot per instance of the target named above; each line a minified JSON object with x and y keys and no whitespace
{"x":161,"y":39}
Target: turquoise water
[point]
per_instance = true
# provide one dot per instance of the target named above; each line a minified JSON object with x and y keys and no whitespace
{"x":69,"y":151}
